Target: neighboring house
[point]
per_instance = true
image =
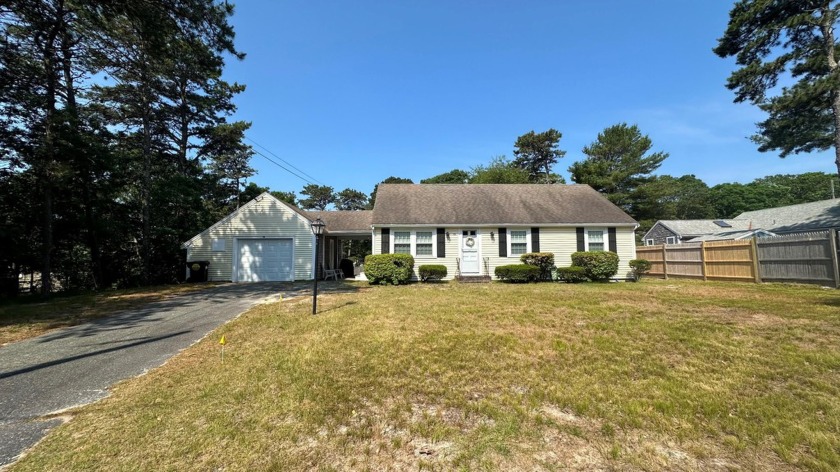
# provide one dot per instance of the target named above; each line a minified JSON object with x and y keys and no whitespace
{"x":471,"y":229}
{"x":680,"y":231}
{"x":814,"y":216}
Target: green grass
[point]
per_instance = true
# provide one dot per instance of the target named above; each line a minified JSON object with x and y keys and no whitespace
{"x":659,"y":375}
{"x":29,"y":316}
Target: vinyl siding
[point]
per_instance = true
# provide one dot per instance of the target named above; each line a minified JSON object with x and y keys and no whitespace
{"x":560,"y":241}
{"x":266,"y":218}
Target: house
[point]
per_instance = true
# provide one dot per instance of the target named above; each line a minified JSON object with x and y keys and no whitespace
{"x":471,"y":229}
{"x":680,"y":231}
{"x":803,"y":217}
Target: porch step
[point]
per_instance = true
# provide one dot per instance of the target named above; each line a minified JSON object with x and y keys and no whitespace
{"x":473,"y":279}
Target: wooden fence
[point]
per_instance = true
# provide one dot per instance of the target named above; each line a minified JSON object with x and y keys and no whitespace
{"x":804,"y":257}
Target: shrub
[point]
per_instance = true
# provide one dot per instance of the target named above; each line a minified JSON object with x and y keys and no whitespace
{"x":431,"y":272}
{"x":597,"y":265}
{"x":542,"y":260}
{"x":571,"y":275}
{"x":518,"y":273}
{"x":639,"y":267}
{"x":386,"y":269}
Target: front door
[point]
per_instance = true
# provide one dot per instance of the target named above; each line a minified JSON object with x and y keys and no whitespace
{"x":469,"y":252}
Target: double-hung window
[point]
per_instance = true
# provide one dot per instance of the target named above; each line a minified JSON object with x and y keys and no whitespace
{"x":518,"y":242}
{"x":423,"y":246}
{"x":402,"y":242}
{"x":595,"y":238}
{"x":671,"y":240}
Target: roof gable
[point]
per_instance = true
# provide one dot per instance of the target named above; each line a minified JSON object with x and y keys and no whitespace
{"x":503,"y":204}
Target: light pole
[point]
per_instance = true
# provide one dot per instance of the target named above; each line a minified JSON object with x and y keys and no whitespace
{"x":317,"y":227}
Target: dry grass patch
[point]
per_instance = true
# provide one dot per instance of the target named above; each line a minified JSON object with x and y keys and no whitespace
{"x":650,"y":376}
{"x":29,"y":316}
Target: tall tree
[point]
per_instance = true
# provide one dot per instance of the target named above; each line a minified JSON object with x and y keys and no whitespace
{"x":230,"y":156}
{"x":318,"y":197}
{"x":787,"y":40}
{"x":617,"y":163}
{"x":349,"y":199}
{"x":455,"y":176}
{"x":499,"y":171}
{"x":536,"y":153}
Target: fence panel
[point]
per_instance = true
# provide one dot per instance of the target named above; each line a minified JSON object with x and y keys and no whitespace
{"x":655,"y":255}
{"x":804,"y":257}
{"x":729,"y":260}
{"x":684,"y":260}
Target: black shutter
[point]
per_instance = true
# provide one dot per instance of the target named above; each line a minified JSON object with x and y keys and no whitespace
{"x":581,"y":245}
{"x":441,"y":242}
{"x":502,"y":242}
{"x":535,"y":240}
{"x":613,"y":242}
{"x":386,"y":240}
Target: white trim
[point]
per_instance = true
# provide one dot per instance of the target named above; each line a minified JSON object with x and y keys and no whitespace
{"x":649,"y":242}
{"x":478,"y":248}
{"x":234,"y":276}
{"x":673,"y":240}
{"x":502,"y":225}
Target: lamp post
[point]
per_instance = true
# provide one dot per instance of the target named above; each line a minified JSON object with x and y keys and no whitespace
{"x":317,"y":227}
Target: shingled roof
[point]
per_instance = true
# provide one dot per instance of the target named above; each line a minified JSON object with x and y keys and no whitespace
{"x":691,"y":228}
{"x":496,"y":204}
{"x":812,"y":216}
{"x":344,"y":221}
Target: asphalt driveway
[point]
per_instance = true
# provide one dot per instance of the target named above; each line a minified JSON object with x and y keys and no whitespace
{"x":75,"y":366}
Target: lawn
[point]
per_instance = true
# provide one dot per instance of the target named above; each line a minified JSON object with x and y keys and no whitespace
{"x":659,"y":375}
{"x":29,"y":316}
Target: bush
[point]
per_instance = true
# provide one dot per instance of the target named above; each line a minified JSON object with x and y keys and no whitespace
{"x":386,"y":269}
{"x":639,"y":267}
{"x":518,"y":273}
{"x":542,"y":260}
{"x":571,"y":275}
{"x":430,"y":272}
{"x":597,"y":265}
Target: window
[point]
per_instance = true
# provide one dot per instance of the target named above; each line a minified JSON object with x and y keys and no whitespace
{"x":596,"y":239}
{"x":218,"y":245}
{"x":648,"y":242}
{"x":402,"y":242}
{"x":423,"y":246}
{"x":671,"y":240}
{"x":518,"y":242}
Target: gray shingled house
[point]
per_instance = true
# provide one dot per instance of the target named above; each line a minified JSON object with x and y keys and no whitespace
{"x":804,"y":217}
{"x":471,"y":229}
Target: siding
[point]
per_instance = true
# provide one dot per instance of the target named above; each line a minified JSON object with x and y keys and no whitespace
{"x":560,"y":241}
{"x":265,"y":218}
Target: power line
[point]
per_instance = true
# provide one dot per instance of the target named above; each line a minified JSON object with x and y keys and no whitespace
{"x":285,"y":162}
{"x":284,"y":168}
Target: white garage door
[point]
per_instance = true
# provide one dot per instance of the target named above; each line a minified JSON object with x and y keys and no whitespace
{"x":265,"y":260}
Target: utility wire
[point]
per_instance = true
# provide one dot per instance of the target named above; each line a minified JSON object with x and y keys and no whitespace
{"x":284,"y":168}
{"x":285,"y":162}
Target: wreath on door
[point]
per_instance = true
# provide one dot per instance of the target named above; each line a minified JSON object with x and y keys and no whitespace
{"x":470,"y":242}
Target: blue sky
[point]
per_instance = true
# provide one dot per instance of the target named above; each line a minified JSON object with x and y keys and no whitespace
{"x":354,"y":92}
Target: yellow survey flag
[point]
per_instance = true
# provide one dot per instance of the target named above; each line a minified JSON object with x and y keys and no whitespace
{"x":222,"y":341}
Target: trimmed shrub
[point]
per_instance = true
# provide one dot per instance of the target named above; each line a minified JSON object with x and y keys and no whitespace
{"x":542,"y":260}
{"x":597,"y":265}
{"x":386,"y":269}
{"x":518,"y":273}
{"x":639,"y":267}
{"x":571,"y":275}
{"x":429,"y":272}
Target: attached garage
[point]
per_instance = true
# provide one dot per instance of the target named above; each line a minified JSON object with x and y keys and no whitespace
{"x":265,"y":260}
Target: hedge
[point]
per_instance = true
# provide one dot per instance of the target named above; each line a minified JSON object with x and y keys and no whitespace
{"x":518,"y":273}
{"x":542,"y":260}
{"x":639,"y":267}
{"x":386,"y":269}
{"x":571,"y":275}
{"x":597,"y":265}
{"x":430,"y":272}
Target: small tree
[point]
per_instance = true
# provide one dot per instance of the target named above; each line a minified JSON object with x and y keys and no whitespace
{"x":541,"y":260}
{"x":639,"y":267}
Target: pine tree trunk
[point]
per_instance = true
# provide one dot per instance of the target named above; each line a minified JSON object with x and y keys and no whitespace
{"x":827,"y":29}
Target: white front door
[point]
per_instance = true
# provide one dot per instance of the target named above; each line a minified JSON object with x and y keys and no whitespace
{"x":469,"y":252}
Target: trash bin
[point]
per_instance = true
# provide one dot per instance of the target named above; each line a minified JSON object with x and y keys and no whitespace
{"x":198,"y":271}
{"x":346,"y":266}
